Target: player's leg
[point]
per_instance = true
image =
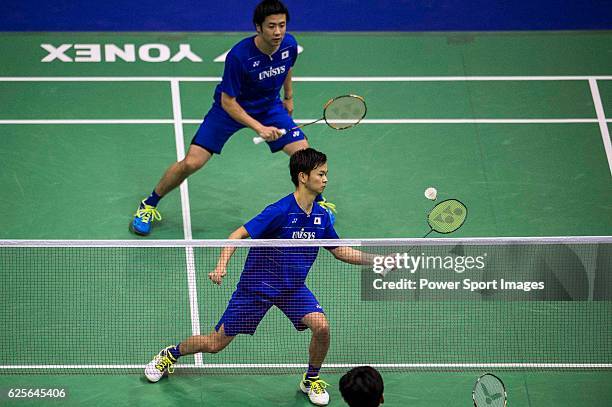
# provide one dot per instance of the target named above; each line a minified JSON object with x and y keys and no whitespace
{"x":291,"y":148}
{"x":195,"y":159}
{"x":243,"y":314}
{"x":319,"y":342}
{"x":214,"y":342}
{"x":173,"y":177}
{"x":210,"y":138}
{"x":163,"y":362}
{"x":305,"y":312}
{"x":311,"y":383}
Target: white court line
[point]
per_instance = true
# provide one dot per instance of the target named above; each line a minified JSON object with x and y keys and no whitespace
{"x":443,"y":78}
{"x":89,"y":121}
{"x":457,"y":121}
{"x":603,"y":125}
{"x":303,"y":121}
{"x":332,"y":365}
{"x":190,"y":260}
{"x":106,"y":79}
{"x":377,"y":242}
{"x":302,"y":79}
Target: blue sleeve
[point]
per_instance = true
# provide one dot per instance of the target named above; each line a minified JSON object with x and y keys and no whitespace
{"x":295,"y":52}
{"x":266,"y":223}
{"x":330,"y":233}
{"x":294,"y":58}
{"x":232,"y":76}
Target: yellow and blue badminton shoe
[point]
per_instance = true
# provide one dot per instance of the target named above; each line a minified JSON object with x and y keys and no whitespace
{"x":161,"y":365}
{"x":329,"y":207}
{"x":315,"y":389}
{"x":143,"y":219}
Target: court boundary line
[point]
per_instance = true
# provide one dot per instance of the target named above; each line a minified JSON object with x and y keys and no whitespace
{"x":178,"y":122}
{"x":305,"y":78}
{"x":601,"y":118}
{"x":373,"y":242}
{"x":185,"y":208}
{"x":331,"y":366}
{"x":303,"y":121}
{"x":89,"y":121}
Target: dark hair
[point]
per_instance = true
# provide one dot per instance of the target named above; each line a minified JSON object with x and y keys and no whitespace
{"x":305,"y":161}
{"x":266,"y":8}
{"x":362,"y":387}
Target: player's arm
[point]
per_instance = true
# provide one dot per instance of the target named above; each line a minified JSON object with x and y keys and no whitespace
{"x":352,"y":256}
{"x":225,"y":256}
{"x":236,"y":112}
{"x":288,"y":92}
{"x":345,"y":253}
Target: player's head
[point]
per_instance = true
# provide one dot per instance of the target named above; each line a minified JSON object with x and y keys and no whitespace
{"x":308,"y":169}
{"x":362,"y":387}
{"x":270,"y":19}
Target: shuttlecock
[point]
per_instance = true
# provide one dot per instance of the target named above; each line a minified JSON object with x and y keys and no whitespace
{"x":431,"y":193}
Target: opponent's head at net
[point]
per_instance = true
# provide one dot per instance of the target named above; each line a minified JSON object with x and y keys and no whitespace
{"x":362,"y":386}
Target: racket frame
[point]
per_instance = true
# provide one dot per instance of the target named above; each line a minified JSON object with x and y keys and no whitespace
{"x":503,"y":385}
{"x":259,"y":140}
{"x":330,"y":101}
{"x":451,"y":231}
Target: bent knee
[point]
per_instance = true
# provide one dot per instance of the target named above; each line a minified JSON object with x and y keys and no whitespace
{"x":192,"y":164}
{"x":217,"y":347}
{"x":321,"y":329}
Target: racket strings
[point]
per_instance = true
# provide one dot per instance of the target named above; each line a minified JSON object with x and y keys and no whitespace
{"x":345,"y":111}
{"x":447,"y":216}
{"x":489,"y":391}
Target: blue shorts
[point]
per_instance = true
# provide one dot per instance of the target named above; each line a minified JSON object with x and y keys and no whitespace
{"x":218,"y":127}
{"x":246,"y":309}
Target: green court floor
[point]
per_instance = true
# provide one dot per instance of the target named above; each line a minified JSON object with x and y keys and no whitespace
{"x":508,"y":123}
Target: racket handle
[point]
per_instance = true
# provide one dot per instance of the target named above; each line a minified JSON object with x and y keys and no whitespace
{"x":259,"y":140}
{"x":384,"y":272}
{"x":387,"y":270}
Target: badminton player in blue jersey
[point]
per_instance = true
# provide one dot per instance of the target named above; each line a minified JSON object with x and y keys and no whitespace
{"x":275,"y":276}
{"x":248,"y":96}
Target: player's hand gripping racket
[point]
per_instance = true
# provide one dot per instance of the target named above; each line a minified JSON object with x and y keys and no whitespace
{"x":446,"y":217}
{"x":489,"y":391}
{"x":339,"y":113}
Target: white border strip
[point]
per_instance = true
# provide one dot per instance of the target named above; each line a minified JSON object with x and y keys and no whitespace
{"x":107,"y":79}
{"x":443,"y":78}
{"x":180,"y":154}
{"x":89,"y":121}
{"x":189,"y":257}
{"x":302,"y":79}
{"x":303,"y":121}
{"x":601,"y":117}
{"x":333,"y":365}
{"x":493,"y":241}
{"x":454,"y":121}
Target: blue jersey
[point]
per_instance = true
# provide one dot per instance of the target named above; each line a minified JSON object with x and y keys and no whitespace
{"x":255,"y":78}
{"x":274,"y":270}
